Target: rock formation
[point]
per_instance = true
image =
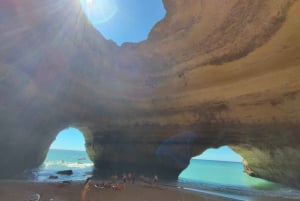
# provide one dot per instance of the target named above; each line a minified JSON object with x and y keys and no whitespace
{"x":211,"y":73}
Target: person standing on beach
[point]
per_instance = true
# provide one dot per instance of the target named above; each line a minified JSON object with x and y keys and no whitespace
{"x":129,"y":176}
{"x":124,"y":177}
{"x":154,"y":180}
{"x":86,"y":188}
{"x":114,"y":178}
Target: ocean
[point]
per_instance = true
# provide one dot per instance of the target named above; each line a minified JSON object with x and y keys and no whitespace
{"x":220,"y":178}
{"x":228,"y":179}
{"x":58,"y":160}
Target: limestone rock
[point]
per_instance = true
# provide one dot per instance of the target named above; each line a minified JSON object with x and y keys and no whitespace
{"x":65,"y":172}
{"x":227,"y":71}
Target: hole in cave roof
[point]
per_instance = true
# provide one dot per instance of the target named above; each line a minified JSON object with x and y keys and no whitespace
{"x":124,"y":20}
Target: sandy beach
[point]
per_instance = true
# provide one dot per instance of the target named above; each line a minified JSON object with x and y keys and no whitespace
{"x":20,"y":190}
{"x":12,"y":190}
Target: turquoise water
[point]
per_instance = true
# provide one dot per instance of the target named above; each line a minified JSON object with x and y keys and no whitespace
{"x":229,"y":179}
{"x":223,"y":173}
{"x":57,"y":160}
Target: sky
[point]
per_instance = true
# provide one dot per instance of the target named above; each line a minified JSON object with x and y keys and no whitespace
{"x":223,"y":153}
{"x":69,"y":139}
{"x":124,"y":20}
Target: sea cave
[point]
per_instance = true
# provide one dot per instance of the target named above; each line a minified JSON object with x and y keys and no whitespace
{"x":210,"y":73}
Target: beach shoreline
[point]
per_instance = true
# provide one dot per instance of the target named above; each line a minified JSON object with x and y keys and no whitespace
{"x":15,"y":190}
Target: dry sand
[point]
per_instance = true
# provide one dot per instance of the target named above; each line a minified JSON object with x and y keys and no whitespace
{"x":20,"y":190}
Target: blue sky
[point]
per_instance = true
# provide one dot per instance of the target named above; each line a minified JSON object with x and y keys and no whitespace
{"x":223,"y":153}
{"x":69,"y":139}
{"x":124,"y":20}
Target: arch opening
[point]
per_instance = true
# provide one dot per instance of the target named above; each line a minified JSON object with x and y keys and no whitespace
{"x":67,"y":158}
{"x":123,"y":21}
{"x":221,"y":167}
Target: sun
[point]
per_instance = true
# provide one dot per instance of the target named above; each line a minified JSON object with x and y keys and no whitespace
{"x":89,"y":2}
{"x":99,"y":11}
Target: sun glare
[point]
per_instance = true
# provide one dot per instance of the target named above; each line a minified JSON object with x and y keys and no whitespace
{"x":89,"y":2}
{"x":99,"y":11}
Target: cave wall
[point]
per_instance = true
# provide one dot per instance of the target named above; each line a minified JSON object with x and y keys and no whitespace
{"x":211,"y":73}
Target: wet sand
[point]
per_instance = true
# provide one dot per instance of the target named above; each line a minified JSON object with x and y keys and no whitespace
{"x":20,"y":190}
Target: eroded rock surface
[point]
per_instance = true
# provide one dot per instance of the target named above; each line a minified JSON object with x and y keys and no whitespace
{"x":211,"y":73}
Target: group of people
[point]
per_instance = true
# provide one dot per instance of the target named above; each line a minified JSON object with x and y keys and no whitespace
{"x":130,"y":177}
{"x":115,"y":184}
{"x":110,"y":185}
{"x":152,"y":181}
